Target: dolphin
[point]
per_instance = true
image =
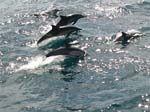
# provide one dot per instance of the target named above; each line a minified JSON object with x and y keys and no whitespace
{"x":124,"y":37}
{"x":56,"y":31}
{"x":65,"y":20}
{"x":67,"y":51}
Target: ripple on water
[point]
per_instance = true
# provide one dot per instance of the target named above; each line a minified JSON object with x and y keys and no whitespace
{"x":109,"y":79}
{"x":112,"y":12}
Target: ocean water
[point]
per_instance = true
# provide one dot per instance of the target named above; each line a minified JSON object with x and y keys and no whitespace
{"x":110,"y":78}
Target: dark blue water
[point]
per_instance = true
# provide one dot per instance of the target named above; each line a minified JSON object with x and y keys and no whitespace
{"x":109,"y":79}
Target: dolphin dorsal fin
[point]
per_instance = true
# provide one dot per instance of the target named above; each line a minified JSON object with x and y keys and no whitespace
{"x":123,"y":33}
{"x":54,"y":27}
{"x":61,"y":16}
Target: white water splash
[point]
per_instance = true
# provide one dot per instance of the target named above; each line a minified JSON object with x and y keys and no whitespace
{"x":134,"y":32}
{"x":41,"y":61}
{"x":32,"y":44}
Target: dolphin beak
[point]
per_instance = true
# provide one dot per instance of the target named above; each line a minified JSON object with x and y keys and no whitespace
{"x":83,"y":16}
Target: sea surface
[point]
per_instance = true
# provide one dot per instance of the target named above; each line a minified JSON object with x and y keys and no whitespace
{"x":110,"y":78}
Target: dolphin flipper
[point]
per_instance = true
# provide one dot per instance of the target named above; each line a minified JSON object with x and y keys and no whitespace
{"x":74,"y":22}
{"x":68,"y":34}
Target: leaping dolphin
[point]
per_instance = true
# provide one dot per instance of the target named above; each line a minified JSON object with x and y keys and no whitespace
{"x":57,"y":31}
{"x":65,"y":20}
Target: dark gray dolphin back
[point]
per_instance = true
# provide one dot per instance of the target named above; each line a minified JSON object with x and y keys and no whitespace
{"x":51,"y":33}
{"x":71,"y":52}
{"x":65,"y":20}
